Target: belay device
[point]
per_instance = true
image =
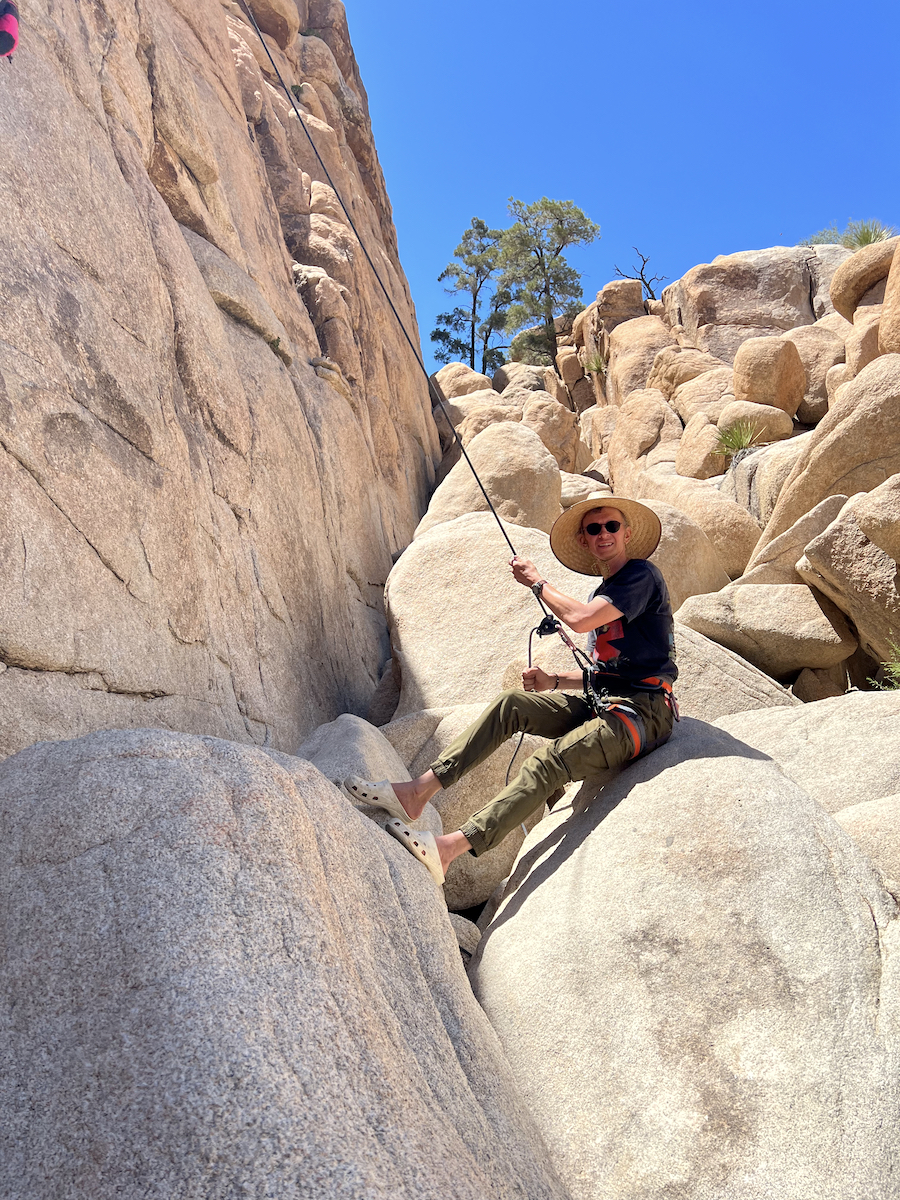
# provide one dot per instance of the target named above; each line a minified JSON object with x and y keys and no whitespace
{"x":9,"y":29}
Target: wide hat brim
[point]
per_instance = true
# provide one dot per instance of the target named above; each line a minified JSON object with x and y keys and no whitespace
{"x":645,"y":526}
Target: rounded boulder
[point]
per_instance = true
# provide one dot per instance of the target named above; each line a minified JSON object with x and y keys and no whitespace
{"x":519,"y":474}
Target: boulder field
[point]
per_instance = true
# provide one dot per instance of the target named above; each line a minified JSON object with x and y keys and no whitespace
{"x":243,"y":560}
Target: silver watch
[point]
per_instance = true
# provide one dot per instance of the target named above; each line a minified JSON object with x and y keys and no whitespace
{"x":538,"y":587}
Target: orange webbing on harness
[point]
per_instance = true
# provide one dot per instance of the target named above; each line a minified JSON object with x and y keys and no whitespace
{"x":632,"y":728}
{"x":666,"y":687}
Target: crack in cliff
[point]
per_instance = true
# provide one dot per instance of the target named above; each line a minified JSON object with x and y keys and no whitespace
{"x":31,"y":474}
{"x":880,"y":950}
{"x":85,"y":266}
{"x":10,"y":663}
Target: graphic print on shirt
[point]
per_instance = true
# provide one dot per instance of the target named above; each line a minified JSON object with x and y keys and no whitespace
{"x":604,"y":651}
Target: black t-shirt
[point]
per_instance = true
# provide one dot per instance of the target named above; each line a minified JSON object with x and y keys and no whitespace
{"x":642,"y":643}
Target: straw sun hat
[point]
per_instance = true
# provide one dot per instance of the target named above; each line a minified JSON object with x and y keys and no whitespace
{"x":645,"y":526}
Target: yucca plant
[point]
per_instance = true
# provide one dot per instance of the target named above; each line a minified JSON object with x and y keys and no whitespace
{"x":595,"y":364}
{"x":856,"y":235}
{"x":865,"y":233}
{"x":738,"y":437}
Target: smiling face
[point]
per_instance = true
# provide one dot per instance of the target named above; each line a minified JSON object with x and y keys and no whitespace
{"x":609,"y":548}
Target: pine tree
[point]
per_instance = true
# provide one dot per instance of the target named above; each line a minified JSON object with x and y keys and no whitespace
{"x":542,"y":285}
{"x":466,"y":332}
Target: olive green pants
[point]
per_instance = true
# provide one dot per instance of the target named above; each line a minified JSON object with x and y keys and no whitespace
{"x":583,"y":745}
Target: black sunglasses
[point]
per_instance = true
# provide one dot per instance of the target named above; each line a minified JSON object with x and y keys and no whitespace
{"x":595,"y":527}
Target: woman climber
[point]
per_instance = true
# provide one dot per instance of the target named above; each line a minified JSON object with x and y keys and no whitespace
{"x":627,"y":707}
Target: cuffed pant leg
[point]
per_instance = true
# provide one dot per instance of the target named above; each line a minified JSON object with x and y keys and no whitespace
{"x":548,"y":714}
{"x":599,"y":744}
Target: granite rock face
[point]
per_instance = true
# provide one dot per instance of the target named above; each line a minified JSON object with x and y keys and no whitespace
{"x":518,"y":472}
{"x":197,"y":359}
{"x":755,"y":293}
{"x":854,"y":448}
{"x":714,"y":681}
{"x":220,"y":979}
{"x":875,"y":827}
{"x":859,"y":578}
{"x":695,"y":980}
{"x":780,"y":627}
{"x":842,"y":751}
{"x":446,"y":656}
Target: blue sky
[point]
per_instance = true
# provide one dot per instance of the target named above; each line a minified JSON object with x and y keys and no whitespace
{"x":688,"y":131}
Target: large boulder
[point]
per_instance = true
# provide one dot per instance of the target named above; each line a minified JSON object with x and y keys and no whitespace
{"x":633,"y":347}
{"x":522,"y":375}
{"x":713,"y":681}
{"x":481,"y":417}
{"x":841,"y":751}
{"x":216,"y":971}
{"x":875,"y":827}
{"x":447,"y":654}
{"x":699,"y":452}
{"x":685,"y":555}
{"x":768,"y":423}
{"x":695,"y":982}
{"x":820,"y":349}
{"x":780,"y":627}
{"x":861,"y":346}
{"x":576,"y":488}
{"x":739,"y":296}
{"x":858,"y":274}
{"x":859,"y":578}
{"x":854,"y":448}
{"x":618,"y":301}
{"x":518,"y":473}
{"x":777,"y":562}
{"x":458,"y":379}
{"x":646,"y":433}
{"x":889,"y":331}
{"x":569,"y":366}
{"x":422,"y":737}
{"x":755,"y":480}
{"x":675,"y":366}
{"x":878,"y":516}
{"x":731,"y":529}
{"x":597,"y":425}
{"x":769,"y":370}
{"x":558,"y":428}
{"x":707,"y":393}
{"x":462,"y":406}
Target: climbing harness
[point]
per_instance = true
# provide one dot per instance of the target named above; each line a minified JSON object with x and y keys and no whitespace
{"x":598,"y":699}
{"x":9,"y":29}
